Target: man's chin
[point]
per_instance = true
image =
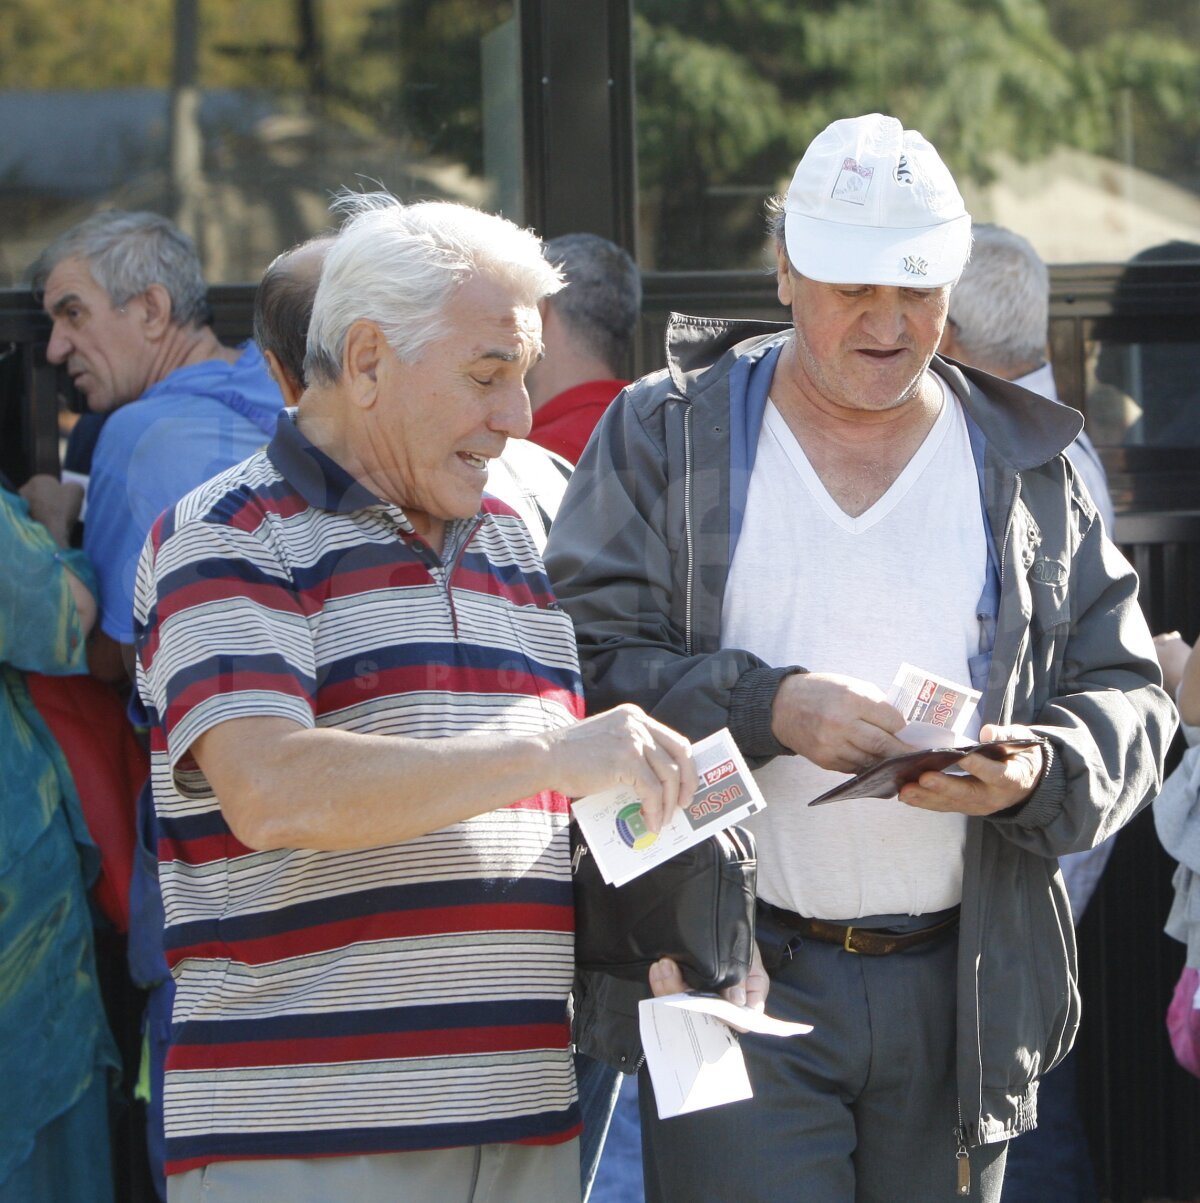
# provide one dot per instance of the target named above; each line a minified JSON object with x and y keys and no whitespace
{"x":97,"y":403}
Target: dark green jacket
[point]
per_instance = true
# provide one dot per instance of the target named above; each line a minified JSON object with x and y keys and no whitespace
{"x":639,"y":554}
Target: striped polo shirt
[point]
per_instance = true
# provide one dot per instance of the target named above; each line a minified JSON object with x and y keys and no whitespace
{"x":390,"y":999}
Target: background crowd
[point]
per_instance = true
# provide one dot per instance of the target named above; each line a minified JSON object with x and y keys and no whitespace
{"x":312,"y":586}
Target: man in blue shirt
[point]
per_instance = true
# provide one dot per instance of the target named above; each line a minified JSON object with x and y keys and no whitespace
{"x":132,"y":326}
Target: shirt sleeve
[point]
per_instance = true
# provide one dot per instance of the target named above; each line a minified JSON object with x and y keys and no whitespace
{"x":115,"y":529}
{"x":221,"y":633}
{"x":145,"y":462}
{"x":40,"y":630}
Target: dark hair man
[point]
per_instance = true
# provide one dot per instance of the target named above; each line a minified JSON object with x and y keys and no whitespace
{"x":588,"y":329}
{"x":829,"y":494}
{"x":283,"y":305}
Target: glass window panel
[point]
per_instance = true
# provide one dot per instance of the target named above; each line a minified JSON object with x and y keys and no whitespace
{"x":1075,"y":122}
{"x":239,"y":118}
{"x":1141,"y":382}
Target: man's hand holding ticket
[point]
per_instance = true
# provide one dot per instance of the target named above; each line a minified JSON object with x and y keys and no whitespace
{"x":947,"y":772}
{"x":622,"y":843}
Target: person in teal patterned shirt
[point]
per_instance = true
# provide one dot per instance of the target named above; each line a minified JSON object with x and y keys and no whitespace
{"x":55,"y":1047}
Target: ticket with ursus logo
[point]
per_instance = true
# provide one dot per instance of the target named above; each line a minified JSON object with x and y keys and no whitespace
{"x":930,"y":701}
{"x":618,"y":837}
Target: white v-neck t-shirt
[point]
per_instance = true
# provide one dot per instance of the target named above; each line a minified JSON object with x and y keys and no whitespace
{"x":859,"y":596}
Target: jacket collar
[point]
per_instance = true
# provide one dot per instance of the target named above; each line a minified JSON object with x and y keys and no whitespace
{"x":1024,"y":429}
{"x":697,"y":346}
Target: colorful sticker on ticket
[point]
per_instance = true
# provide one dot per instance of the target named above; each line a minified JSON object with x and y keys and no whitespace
{"x":924,"y":698}
{"x":624,"y":847}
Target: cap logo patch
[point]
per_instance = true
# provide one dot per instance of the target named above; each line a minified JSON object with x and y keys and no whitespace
{"x":903,"y":172}
{"x":853,"y":182}
{"x":915,"y":265}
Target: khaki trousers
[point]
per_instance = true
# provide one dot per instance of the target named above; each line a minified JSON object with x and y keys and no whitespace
{"x":499,"y":1173}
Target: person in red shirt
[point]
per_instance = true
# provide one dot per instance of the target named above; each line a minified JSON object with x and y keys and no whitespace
{"x":587,"y":329}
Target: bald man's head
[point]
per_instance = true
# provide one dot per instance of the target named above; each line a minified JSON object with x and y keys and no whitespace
{"x":283,"y":309}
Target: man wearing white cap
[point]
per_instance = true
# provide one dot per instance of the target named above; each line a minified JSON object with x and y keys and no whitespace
{"x":830,"y":494}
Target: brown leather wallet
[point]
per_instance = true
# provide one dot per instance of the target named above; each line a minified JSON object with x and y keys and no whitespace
{"x":865,"y":940}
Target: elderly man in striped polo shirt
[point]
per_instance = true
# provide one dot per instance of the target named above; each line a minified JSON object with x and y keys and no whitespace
{"x":366,"y":710}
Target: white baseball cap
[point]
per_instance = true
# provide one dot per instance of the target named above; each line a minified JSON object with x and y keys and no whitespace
{"x":872,"y":203}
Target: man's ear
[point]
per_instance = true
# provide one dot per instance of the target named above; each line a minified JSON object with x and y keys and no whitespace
{"x":362,"y":359}
{"x":156,"y":309}
{"x":784,"y":285}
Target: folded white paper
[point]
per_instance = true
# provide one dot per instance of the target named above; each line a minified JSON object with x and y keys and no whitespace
{"x":745,"y":1019}
{"x":77,"y":478}
{"x":693,"y":1054}
{"x":624,"y":847}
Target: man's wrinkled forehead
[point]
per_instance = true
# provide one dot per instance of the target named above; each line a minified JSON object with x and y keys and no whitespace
{"x":513,"y":336}
{"x":71,"y":283}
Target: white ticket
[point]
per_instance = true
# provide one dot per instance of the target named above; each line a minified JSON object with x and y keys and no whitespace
{"x":929,"y":701}
{"x":694,"y":1057}
{"x":624,"y":847}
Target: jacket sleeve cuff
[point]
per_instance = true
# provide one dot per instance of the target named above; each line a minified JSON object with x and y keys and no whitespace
{"x":1048,"y":798}
{"x":750,"y":712}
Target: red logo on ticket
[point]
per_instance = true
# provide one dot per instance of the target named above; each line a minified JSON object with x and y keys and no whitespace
{"x":719,"y":772}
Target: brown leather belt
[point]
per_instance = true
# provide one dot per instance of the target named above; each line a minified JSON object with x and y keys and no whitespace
{"x":868,"y":941}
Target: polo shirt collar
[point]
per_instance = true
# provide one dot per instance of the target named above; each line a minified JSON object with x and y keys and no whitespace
{"x":320,"y":480}
{"x":326,"y":485}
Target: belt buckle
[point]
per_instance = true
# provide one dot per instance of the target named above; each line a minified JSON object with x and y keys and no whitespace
{"x":846,"y":942}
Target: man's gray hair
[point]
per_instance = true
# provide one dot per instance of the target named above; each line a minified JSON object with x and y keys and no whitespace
{"x":127,"y":253}
{"x":1000,"y":306}
{"x":603,"y":296}
{"x":776,"y":216}
{"x":399,"y":266}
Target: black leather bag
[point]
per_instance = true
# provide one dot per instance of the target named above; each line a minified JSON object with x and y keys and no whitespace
{"x":697,"y":908}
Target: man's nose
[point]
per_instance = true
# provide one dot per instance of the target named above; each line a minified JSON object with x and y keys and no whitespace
{"x":59,"y":346}
{"x":513,"y":416}
{"x":884,"y":320}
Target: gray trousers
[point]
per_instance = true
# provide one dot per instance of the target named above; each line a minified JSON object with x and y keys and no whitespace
{"x":862,"y":1110}
{"x":500,"y":1173}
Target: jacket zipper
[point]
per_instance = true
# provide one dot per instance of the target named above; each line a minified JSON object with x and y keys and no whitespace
{"x":687,"y":527}
{"x":962,"y":1156}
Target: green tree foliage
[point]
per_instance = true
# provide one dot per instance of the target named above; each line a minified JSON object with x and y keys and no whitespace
{"x":730,"y":91}
{"x":440,"y":73}
{"x":84,"y":45}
